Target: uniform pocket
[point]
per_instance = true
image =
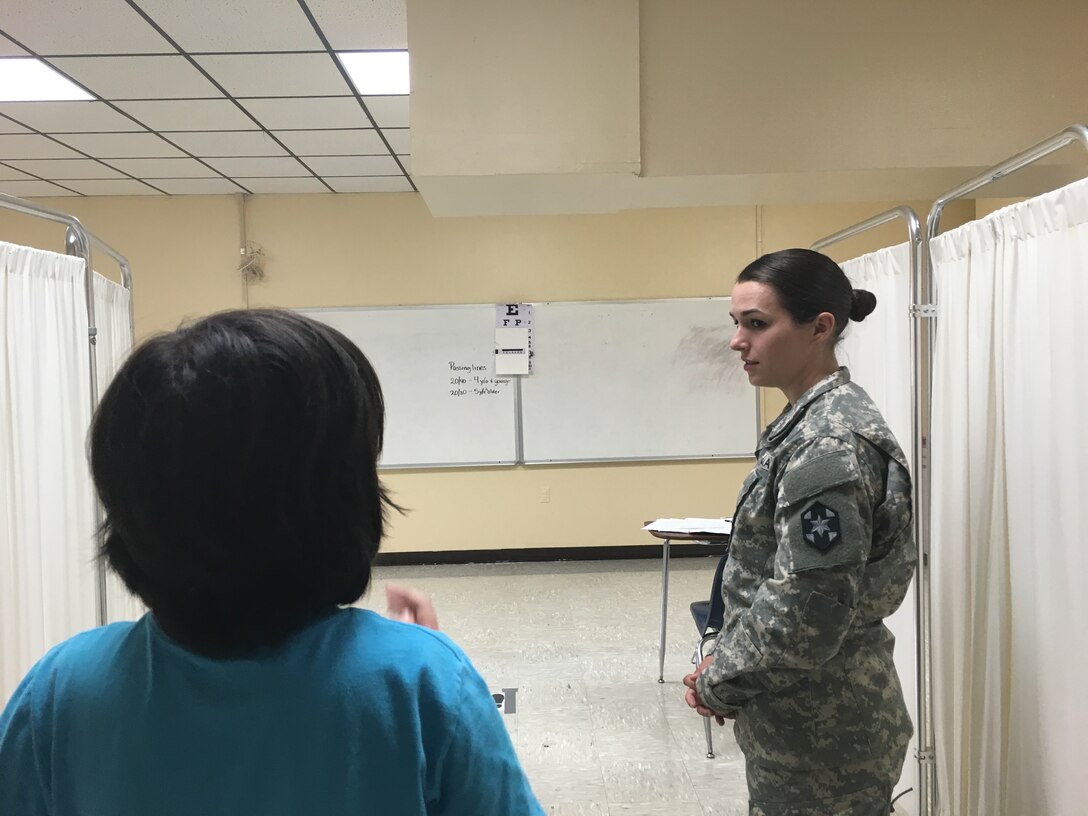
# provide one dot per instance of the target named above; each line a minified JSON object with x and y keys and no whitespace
{"x":840,"y":733}
{"x":775,"y":728}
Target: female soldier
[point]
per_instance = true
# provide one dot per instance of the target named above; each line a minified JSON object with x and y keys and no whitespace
{"x":822,"y":552}
{"x":237,"y":462}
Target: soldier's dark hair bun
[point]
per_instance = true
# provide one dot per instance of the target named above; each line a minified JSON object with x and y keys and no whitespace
{"x":862,"y":303}
{"x":808,"y":283}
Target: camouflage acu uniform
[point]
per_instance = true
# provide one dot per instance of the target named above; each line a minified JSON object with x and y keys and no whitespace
{"x":822,"y":551}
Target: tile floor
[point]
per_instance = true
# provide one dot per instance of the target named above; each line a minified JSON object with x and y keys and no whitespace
{"x":596,"y":733}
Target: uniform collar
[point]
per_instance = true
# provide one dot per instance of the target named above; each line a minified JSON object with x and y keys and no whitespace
{"x":792,"y":413}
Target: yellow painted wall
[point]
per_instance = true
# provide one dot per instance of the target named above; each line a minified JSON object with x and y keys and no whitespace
{"x":386,"y":249}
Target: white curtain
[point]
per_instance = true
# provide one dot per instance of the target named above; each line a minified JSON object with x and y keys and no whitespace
{"x":47,"y":573}
{"x":877,"y":351}
{"x":1010,"y":602}
{"x":113,"y":316}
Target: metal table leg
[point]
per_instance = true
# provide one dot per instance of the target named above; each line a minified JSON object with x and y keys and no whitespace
{"x":664,"y":609}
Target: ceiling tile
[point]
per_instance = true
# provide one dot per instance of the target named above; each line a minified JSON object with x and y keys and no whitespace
{"x":32,"y":189}
{"x":189,"y":114}
{"x":239,"y":25}
{"x":276,"y":74}
{"x":167,"y":76}
{"x":259,"y":167}
{"x":105,"y":187}
{"x":388,"y":111}
{"x":121,"y":145}
{"x":376,"y":25}
{"x":353,"y":165}
{"x":164,"y":168}
{"x":227,"y":143}
{"x":307,"y":114}
{"x":61,"y":169}
{"x":11,"y":174}
{"x":33,"y":146}
{"x":400,"y":139}
{"x":372,"y":184}
{"x":68,"y":117}
{"x":52,"y":27}
{"x":332,"y":142}
{"x":8,"y":126}
{"x":10,"y":49}
{"x":284,"y":185}
{"x":197,"y":186}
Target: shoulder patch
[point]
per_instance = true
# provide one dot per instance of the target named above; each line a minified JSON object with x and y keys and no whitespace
{"x":820,"y":526}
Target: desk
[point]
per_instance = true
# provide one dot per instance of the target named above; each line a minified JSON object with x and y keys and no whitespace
{"x":668,"y":537}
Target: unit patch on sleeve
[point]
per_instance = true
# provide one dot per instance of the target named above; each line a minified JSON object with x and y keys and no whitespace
{"x":820,"y":526}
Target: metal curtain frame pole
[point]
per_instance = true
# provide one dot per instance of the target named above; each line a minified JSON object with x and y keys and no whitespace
{"x":73,"y":240}
{"x":920,"y":396}
{"x":78,"y":242}
{"x":1073,"y":133}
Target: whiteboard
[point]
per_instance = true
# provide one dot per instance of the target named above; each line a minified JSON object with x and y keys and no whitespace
{"x":652,"y":379}
{"x":443,"y":404}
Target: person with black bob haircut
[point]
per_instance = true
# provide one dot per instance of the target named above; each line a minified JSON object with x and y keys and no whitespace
{"x":237,"y":462}
{"x":822,"y":551}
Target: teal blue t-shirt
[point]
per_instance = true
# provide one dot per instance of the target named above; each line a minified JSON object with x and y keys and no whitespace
{"x":355,"y":714}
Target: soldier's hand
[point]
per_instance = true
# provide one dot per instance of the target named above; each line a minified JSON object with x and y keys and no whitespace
{"x":691,"y":696}
{"x":692,"y":699}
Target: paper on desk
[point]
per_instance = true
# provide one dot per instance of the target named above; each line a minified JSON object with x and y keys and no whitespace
{"x":717,"y":526}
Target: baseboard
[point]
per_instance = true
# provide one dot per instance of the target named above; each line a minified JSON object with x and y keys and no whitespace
{"x":678,"y":550}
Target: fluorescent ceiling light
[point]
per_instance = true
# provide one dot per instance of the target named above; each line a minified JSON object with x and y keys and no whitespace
{"x":25,"y":79}
{"x":375,"y":73}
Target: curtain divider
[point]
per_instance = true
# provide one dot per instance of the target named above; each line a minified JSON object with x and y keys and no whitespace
{"x":78,"y":242}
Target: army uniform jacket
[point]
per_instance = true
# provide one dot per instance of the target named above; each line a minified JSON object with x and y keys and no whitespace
{"x":822,"y":551}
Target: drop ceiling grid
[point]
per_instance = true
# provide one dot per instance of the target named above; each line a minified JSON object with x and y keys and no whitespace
{"x":204,"y":97}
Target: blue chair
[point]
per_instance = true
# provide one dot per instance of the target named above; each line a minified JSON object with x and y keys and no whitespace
{"x":708,"y":616}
